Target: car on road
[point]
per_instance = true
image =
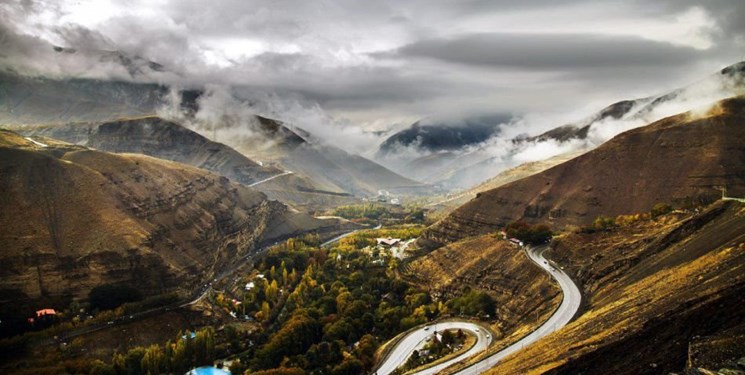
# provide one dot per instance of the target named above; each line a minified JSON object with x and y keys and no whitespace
{"x":110,"y":322}
{"x":477,"y":330}
{"x":426,"y":328}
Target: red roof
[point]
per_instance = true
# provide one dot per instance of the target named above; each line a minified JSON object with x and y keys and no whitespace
{"x":43,"y":312}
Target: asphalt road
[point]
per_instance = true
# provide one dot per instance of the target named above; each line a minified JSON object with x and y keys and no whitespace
{"x":563,"y":315}
{"x":270,"y":178}
{"x":337,"y":238}
{"x":417,"y":338}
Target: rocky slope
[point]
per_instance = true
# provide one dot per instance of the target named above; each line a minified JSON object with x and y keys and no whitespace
{"x":680,"y":160}
{"x":660,"y":296}
{"x":91,"y":217}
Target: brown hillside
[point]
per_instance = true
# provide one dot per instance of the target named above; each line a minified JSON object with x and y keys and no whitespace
{"x":154,"y":136}
{"x":678,"y":160}
{"x":525,"y":295}
{"x":74,"y":218}
{"x":654,"y":291}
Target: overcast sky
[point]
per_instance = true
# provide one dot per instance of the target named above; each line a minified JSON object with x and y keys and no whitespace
{"x":377,"y":63}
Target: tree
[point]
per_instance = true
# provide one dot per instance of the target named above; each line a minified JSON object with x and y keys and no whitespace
{"x":295,"y":337}
{"x":348,"y":367}
{"x":204,"y":346}
{"x":153,"y":361}
{"x":530,"y":234}
{"x":603,"y":223}
{"x":133,"y":361}
{"x":474,"y":303}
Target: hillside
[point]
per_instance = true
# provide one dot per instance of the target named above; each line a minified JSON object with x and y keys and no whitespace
{"x":168,"y":140}
{"x":323,"y":175}
{"x":503,"y":178}
{"x":661,"y":295}
{"x":91,"y":217}
{"x":329,"y":167}
{"x":524,"y":295}
{"x":680,"y":160}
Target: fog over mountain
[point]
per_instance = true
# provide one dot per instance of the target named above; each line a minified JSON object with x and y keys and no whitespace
{"x":348,"y":68}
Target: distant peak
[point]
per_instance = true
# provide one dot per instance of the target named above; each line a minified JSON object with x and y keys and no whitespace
{"x":736,"y":68}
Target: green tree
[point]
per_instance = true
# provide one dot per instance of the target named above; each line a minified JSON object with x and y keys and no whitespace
{"x":295,"y":337}
{"x":348,"y":367}
{"x":529,"y":234}
{"x":153,"y":361}
{"x":133,"y":361}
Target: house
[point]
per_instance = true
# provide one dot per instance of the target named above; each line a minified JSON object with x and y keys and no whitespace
{"x":45,"y":312}
{"x":388,"y":242}
{"x":44,"y":317}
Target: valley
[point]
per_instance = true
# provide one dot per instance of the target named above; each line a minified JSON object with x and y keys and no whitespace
{"x":408,"y":198}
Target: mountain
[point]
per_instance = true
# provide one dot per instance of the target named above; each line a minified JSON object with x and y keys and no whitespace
{"x":168,"y":140}
{"x":162,"y":139}
{"x":513,"y":174}
{"x":316,"y":182}
{"x":726,"y":83}
{"x":330,"y":168}
{"x":39,"y":100}
{"x":679,"y":160}
{"x":436,"y":136}
{"x":466,"y":167}
{"x":660,"y":296}
{"x":92,"y":217}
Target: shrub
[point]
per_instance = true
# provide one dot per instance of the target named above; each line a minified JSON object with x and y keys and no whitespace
{"x":530,"y":234}
{"x":660,"y":209}
{"x":604,"y":223}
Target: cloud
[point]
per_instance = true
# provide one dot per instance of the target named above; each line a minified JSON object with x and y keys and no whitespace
{"x":548,"y":51}
{"x":379,"y":63}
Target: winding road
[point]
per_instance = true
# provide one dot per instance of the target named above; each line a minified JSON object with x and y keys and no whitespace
{"x":285,"y":173}
{"x":417,"y":338}
{"x":563,"y":315}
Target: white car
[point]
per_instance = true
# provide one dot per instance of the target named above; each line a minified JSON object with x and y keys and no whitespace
{"x":426,"y":328}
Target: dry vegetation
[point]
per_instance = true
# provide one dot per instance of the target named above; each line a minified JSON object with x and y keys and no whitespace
{"x":652,"y":288}
{"x":525,"y":295}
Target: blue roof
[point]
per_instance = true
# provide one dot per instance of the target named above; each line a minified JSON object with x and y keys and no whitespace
{"x":208,"y":370}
